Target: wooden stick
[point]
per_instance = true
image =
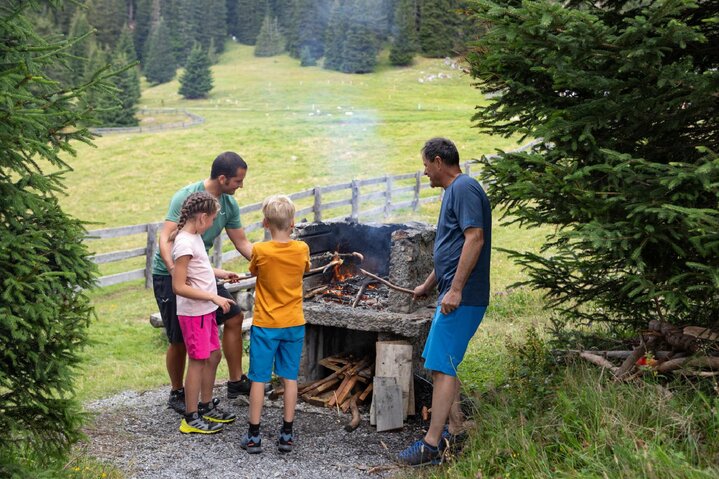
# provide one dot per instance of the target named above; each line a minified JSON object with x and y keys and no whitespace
{"x":387,"y":283}
{"x":631,"y":361}
{"x":361,"y":291}
{"x":314,"y":292}
{"x":324,"y":268}
{"x":327,"y":379}
{"x":366,"y":392}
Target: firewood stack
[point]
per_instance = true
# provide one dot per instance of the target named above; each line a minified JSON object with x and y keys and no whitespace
{"x":351,"y":378}
{"x":664,"y":348}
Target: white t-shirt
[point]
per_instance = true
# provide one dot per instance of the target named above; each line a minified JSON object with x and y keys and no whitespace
{"x":199,"y":274}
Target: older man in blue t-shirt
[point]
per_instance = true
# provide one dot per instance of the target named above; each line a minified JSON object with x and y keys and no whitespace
{"x":461,"y":274}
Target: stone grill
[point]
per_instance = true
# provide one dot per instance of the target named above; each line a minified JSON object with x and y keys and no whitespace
{"x":401,"y":253}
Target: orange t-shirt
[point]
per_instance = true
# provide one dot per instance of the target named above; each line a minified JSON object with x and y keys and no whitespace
{"x":279,"y":268}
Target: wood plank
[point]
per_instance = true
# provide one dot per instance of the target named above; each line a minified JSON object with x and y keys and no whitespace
{"x":337,"y":187}
{"x":118,"y":232}
{"x":372,"y":181}
{"x":117,"y":255}
{"x":387,"y":399}
{"x":394,"y":359}
{"x":122,"y":277}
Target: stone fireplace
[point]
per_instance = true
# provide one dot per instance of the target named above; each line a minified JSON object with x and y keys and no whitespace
{"x":352,"y":312}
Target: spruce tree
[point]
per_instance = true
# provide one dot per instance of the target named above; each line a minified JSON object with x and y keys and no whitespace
{"x":45,"y":268}
{"x":250,"y":14}
{"x":404,"y":41}
{"x":126,"y":45}
{"x":361,"y":45}
{"x":623,"y":98}
{"x":270,"y":41}
{"x":79,"y":27}
{"x":335,"y":35}
{"x":437,"y":27}
{"x":159,"y":59}
{"x":108,"y":16}
{"x":308,"y":27}
{"x":143,"y":25}
{"x":213,"y":26}
{"x":119,"y":107}
{"x":196,"y":80}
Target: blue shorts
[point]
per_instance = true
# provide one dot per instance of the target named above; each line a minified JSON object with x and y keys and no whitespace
{"x":449,"y":337}
{"x":279,"y":346}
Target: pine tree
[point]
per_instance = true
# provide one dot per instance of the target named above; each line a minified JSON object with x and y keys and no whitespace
{"x":79,"y":26}
{"x":623,"y":98}
{"x":437,"y":27}
{"x":360,"y":48}
{"x":126,"y":45}
{"x":45,"y":269}
{"x":196,"y":80}
{"x":250,"y":14}
{"x":404,"y":42}
{"x":270,"y":41}
{"x":159,"y":59}
{"x":335,"y":36}
{"x":306,"y":58}
{"x":143,"y":25}
{"x":108,"y":16}
{"x":213,"y":25}
{"x":308,"y":27}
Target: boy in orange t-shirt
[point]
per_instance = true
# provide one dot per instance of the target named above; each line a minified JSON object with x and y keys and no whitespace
{"x":278,"y":330}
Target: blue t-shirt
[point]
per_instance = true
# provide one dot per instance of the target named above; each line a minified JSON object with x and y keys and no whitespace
{"x":465,"y":205}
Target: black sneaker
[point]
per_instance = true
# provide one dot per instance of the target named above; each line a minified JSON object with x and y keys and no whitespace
{"x":177,"y":401}
{"x":212,"y":413}
{"x":285,"y":441}
{"x":235,"y":388}
{"x":252,"y":444}
{"x":197,"y":425}
{"x":242,"y":387}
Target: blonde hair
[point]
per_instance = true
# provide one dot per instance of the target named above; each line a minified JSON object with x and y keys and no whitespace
{"x":196,"y":203}
{"x":279,"y":211}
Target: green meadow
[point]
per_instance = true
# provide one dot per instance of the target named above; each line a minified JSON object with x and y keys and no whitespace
{"x":303,"y":127}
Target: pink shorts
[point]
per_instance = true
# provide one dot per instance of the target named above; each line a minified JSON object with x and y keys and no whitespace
{"x":200,"y":334}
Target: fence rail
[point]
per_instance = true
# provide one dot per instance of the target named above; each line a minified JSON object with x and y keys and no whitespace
{"x":383,"y":201}
{"x":192,"y":120}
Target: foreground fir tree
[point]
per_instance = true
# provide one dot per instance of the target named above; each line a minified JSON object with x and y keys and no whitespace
{"x":624,"y":97}
{"x":196,"y":80}
{"x":45,"y":270}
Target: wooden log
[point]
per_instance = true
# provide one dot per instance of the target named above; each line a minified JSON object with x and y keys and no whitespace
{"x":333,"y":399}
{"x":610,"y":354}
{"x":630,"y":362}
{"x":341,"y":395}
{"x":324,"y":380}
{"x":366,"y":392}
{"x":323,"y":387}
{"x":711,"y":362}
{"x":276,"y":393}
{"x":598,"y":360}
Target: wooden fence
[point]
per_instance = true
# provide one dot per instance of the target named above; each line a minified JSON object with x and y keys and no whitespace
{"x":390,"y":193}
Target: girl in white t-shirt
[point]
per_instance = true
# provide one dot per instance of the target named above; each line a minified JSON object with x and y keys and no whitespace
{"x":193,"y":281}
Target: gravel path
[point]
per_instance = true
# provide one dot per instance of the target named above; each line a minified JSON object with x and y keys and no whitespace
{"x":138,"y":434}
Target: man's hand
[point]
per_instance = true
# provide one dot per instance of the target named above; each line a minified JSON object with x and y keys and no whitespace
{"x":450,"y":301}
{"x":419,"y":292}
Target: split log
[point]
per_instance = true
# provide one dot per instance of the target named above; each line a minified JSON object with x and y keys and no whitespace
{"x":276,"y":393}
{"x":701,"y":333}
{"x":366,"y":392}
{"x":711,"y":362}
{"x":327,"y":379}
{"x":314,"y":292}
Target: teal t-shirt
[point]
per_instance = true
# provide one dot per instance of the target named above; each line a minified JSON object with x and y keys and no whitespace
{"x":228,"y":217}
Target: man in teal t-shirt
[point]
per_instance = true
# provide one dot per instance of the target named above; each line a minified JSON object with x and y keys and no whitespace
{"x":226,"y":176}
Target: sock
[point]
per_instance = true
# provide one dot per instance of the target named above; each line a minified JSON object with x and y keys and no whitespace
{"x":189,"y":415}
{"x":287,"y":427}
{"x":254,"y":430}
{"x":203,"y":406}
{"x":429,"y":446}
{"x":177,"y":391}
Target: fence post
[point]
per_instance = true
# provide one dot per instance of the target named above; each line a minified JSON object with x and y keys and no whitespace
{"x":217,"y":252}
{"x":150,"y":251}
{"x":388,"y":196}
{"x":417,"y":186}
{"x":355,"y":200}
{"x":317,"y":206}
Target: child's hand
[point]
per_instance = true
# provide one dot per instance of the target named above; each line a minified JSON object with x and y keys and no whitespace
{"x":223,"y":303}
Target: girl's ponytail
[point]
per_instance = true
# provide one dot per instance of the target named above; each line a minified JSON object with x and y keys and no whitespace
{"x":196,"y":203}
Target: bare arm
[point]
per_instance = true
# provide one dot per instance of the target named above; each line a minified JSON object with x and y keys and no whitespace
{"x":473,"y":242}
{"x":425,"y":288}
{"x":181,"y":288}
{"x":165,"y":246}
{"x":242,"y":244}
